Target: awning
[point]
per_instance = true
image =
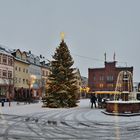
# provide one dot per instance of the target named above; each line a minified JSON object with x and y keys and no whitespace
{"x":107,"y":92}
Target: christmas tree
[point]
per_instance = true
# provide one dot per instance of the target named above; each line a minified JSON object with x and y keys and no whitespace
{"x":62,"y":89}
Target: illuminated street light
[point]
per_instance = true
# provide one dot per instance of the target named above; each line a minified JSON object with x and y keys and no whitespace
{"x":31,"y":81}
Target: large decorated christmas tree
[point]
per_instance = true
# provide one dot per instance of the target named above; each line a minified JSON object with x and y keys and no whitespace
{"x":62,"y":89}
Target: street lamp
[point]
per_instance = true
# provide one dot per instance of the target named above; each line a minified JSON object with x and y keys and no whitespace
{"x":31,"y":81}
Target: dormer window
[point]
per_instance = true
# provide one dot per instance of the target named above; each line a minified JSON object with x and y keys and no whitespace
{"x":35,"y":60}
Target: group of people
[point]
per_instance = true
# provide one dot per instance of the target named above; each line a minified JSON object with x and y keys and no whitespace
{"x":100,"y":101}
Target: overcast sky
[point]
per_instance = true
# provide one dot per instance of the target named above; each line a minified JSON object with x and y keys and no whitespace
{"x":92,"y":27}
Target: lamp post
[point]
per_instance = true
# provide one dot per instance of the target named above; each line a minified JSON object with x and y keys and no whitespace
{"x":9,"y":92}
{"x":30,"y":83}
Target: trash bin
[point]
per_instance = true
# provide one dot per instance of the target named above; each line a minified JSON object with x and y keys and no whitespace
{"x":2,"y":103}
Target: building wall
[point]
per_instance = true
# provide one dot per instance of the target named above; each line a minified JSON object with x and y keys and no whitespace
{"x":45,"y":74}
{"x":21,"y":74}
{"x":104,"y":79}
{"x":34,"y":74}
{"x":6,"y":74}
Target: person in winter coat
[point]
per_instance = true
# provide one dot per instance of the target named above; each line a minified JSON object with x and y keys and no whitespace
{"x":93,"y":100}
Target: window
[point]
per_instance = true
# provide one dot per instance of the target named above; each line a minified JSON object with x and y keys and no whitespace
{"x":9,"y":74}
{"x":0,"y":72}
{"x":110,"y":85}
{"x":4,"y":73}
{"x":4,"y":59}
{"x":43,"y":73}
{"x":19,"y":80}
{"x":34,"y":60}
{"x":110,"y":78}
{"x":94,"y":78}
{"x":101,"y":85}
{"x":16,"y":68}
{"x":46,"y":73}
{"x":15,"y":79}
{"x":23,"y":81}
{"x":26,"y":70}
{"x":27,"y":81}
{"x":10,"y":61}
{"x":23,"y":69}
{"x":101,"y":78}
{"x":19,"y":68}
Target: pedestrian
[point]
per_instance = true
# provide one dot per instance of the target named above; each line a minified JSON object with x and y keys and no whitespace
{"x":99,"y":102}
{"x":93,"y":100}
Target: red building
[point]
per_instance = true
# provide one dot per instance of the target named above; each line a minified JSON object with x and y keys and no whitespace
{"x":104,"y":79}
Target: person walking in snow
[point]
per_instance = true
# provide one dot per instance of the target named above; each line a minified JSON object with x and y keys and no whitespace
{"x":93,"y":100}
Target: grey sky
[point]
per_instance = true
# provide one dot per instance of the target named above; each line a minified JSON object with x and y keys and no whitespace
{"x":92,"y":27}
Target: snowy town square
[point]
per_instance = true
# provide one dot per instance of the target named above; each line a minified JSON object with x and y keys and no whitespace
{"x":69,"y":70}
{"x":32,"y":122}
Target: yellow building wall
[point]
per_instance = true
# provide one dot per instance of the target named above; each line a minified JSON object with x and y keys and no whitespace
{"x":21,"y":74}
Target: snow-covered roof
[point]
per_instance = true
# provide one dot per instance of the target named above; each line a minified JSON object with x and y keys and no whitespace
{"x":3,"y":50}
{"x":21,"y":60}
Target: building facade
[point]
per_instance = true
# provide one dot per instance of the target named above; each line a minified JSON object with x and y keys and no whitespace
{"x":45,"y":72}
{"x":21,"y":75}
{"x":104,"y":79}
{"x":30,"y":75}
{"x":35,"y":79}
{"x":84,"y":87}
{"x":6,"y":74}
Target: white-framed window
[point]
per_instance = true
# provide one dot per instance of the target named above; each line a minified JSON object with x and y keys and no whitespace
{"x":4,"y":59}
{"x":9,"y":74}
{"x":4,"y":73}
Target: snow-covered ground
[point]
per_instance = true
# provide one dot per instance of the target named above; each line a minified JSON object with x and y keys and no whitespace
{"x":31,"y":121}
{"x":84,"y":104}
